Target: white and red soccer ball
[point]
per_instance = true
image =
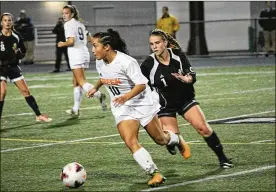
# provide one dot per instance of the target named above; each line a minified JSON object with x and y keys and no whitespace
{"x":73,"y":175}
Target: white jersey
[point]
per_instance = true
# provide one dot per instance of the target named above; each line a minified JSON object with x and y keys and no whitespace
{"x":119,"y":77}
{"x":78,"y":54}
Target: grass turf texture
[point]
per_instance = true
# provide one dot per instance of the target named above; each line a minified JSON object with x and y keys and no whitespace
{"x":93,"y":140}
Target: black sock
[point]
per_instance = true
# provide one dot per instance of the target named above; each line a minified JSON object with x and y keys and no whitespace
{"x":214,"y":143}
{"x":32,"y":103}
{"x":1,"y":108}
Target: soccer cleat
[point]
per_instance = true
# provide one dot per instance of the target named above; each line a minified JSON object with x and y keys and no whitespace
{"x":171,"y":149}
{"x":73,"y":113}
{"x":43,"y":118}
{"x":226,"y":164}
{"x":184,"y":148}
{"x":102,"y":101}
{"x":156,"y":179}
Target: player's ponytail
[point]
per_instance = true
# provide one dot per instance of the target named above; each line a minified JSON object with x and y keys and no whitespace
{"x":112,"y":38}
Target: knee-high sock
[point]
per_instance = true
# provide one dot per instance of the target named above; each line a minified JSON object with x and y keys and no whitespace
{"x":143,"y":158}
{"x":77,"y":98}
{"x":174,"y":139}
{"x":1,"y":108}
{"x":87,"y":86}
{"x":214,"y":143}
{"x":32,"y":103}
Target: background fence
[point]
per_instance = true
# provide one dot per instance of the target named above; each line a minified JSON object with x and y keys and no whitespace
{"x":235,"y":37}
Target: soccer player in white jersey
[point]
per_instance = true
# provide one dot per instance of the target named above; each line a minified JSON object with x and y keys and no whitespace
{"x":79,"y":57}
{"x":131,"y":102}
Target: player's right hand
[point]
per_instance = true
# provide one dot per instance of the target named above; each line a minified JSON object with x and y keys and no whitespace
{"x":91,"y":93}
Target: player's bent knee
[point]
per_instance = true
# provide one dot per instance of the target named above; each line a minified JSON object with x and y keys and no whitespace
{"x":25,"y":92}
{"x":204,"y":130}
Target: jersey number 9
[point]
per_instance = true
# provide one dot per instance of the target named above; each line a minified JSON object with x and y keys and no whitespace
{"x":80,"y":33}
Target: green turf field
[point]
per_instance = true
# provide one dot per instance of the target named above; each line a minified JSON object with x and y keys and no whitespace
{"x":33,"y":154}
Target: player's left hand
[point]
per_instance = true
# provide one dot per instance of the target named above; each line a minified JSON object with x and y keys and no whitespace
{"x":184,"y":78}
{"x":120,"y":100}
{"x":60,"y":44}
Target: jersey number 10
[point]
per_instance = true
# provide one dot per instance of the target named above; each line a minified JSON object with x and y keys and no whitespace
{"x":114,"y":90}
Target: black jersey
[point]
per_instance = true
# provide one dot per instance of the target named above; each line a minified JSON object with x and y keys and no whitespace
{"x":172,"y":92}
{"x":8,"y":56}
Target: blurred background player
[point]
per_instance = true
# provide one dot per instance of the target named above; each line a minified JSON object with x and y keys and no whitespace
{"x":76,"y":40}
{"x":60,"y":36}
{"x":12,"y":50}
{"x":25,"y":28}
{"x":268,"y":22}
{"x":131,"y":101}
{"x":170,"y":74}
{"x":168,"y":22}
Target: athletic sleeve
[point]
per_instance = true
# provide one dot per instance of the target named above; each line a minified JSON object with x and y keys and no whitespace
{"x":146,"y":67}
{"x":133,"y":71}
{"x":21,"y":49}
{"x":186,"y":66}
{"x":69,"y":30}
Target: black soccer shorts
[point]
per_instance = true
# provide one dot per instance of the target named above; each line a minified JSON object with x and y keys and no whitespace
{"x":181,"y":110}
{"x":14,"y":73}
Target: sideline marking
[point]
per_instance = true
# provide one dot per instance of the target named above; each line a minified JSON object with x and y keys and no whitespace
{"x":201,"y":96}
{"x":114,"y":135}
{"x":227,"y":118}
{"x":68,"y":77}
{"x":197,"y":142}
{"x":212,"y":178}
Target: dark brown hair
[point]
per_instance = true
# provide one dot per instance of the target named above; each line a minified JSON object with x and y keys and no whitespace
{"x":112,"y":38}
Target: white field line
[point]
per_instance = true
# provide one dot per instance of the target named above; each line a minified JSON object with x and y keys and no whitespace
{"x":25,"y":114}
{"x":239,"y":92}
{"x":69,"y":76}
{"x":263,"y":141}
{"x":63,"y":142}
{"x":212,"y":178}
{"x":114,"y":135}
{"x":237,"y":73}
{"x":229,"y":93}
{"x":122,"y":142}
{"x":246,"y":115}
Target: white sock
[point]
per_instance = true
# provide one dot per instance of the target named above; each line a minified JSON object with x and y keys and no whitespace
{"x":174,"y":138}
{"x":87,"y":86}
{"x":77,"y":98}
{"x":143,"y":158}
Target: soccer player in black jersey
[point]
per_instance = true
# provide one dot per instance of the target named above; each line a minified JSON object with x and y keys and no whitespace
{"x":170,"y":74}
{"x":12,"y":50}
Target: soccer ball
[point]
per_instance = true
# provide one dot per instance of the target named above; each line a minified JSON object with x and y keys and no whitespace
{"x":73,"y":175}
